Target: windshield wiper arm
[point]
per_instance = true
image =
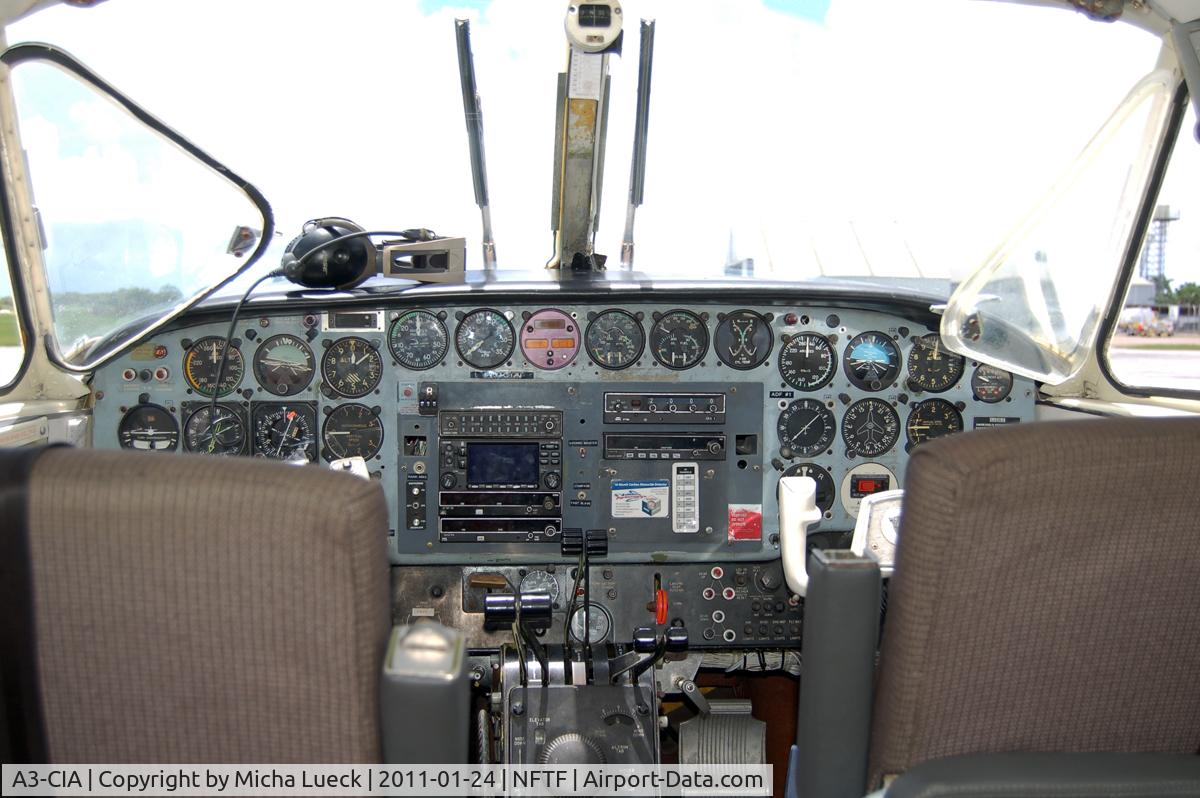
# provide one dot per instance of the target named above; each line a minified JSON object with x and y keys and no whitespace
{"x":641,"y":126}
{"x":474,"y":115}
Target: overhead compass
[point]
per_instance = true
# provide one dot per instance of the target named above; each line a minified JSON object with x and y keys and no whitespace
{"x":872,"y":361}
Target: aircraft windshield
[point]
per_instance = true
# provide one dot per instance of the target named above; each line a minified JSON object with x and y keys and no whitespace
{"x":890,"y":141}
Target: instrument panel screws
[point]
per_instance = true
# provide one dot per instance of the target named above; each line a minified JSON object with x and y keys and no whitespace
{"x":642,"y":709}
{"x":518,"y":709}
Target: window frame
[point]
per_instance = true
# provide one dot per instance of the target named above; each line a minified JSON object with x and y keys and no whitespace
{"x":1108,"y":325}
{"x":17,"y":284}
{"x":21,"y":52}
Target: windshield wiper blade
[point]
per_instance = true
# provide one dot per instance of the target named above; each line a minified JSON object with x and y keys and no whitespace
{"x":641,"y":127}
{"x":474,"y":116}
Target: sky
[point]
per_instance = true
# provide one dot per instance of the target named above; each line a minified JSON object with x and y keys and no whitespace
{"x":816,"y":137}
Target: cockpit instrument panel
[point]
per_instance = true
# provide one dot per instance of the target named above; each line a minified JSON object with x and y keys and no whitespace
{"x":502,"y":429}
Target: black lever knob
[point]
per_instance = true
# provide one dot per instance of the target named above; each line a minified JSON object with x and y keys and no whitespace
{"x":677,"y":638}
{"x":501,"y":608}
{"x":644,"y":639}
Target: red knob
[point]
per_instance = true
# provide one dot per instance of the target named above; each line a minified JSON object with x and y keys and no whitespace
{"x":660,"y":606}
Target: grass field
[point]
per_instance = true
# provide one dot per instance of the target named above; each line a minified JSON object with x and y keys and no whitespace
{"x":1179,"y":347}
{"x":9,"y":336}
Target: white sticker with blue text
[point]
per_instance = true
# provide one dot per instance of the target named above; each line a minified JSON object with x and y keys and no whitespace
{"x":649,"y":498}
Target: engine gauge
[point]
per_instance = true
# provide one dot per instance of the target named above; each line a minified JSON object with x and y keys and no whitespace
{"x":807,"y":427}
{"x":872,"y":361}
{"x":807,"y":362}
{"x":202,"y":361}
{"x":931,"y":419}
{"x":284,"y":365}
{"x":930,"y":367}
{"x":541,"y":582}
{"x":351,"y":430}
{"x":148,"y":428}
{"x":614,"y":339}
{"x":352,"y":367}
{"x":743,"y":340}
{"x":870,"y":427}
{"x":550,"y":339}
{"x":484,"y":338}
{"x":990,"y":384}
{"x":218,"y":430}
{"x":825,"y":490}
{"x":418,"y":340}
{"x":679,"y":339}
{"x":285,"y":431}
{"x":598,"y":621}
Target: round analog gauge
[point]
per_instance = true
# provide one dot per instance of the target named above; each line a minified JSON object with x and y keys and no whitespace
{"x":930,"y":367}
{"x":743,"y":340}
{"x":285,"y":432}
{"x":825,"y":490}
{"x":352,"y":367}
{"x":931,"y":419}
{"x":990,"y":384}
{"x":807,"y":427}
{"x":550,"y":339}
{"x":870,"y":427}
{"x":679,"y":339}
{"x":148,"y":428}
{"x":484,"y":338}
{"x":807,"y":362}
{"x":202,"y":362}
{"x":284,"y":365}
{"x":352,"y":430}
{"x":218,"y":430}
{"x":614,"y":339}
{"x":541,"y":582}
{"x":418,"y":340}
{"x":598,"y":621}
{"x":872,"y":361}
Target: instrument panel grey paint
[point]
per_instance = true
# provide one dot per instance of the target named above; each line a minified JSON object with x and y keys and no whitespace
{"x":738,"y":486}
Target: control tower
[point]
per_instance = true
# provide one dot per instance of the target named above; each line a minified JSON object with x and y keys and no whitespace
{"x":1154,"y":252}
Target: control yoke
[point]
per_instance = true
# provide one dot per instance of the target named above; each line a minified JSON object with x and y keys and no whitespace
{"x":798,"y":514}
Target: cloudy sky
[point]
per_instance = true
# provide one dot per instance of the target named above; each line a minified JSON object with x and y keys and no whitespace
{"x":868,"y":136}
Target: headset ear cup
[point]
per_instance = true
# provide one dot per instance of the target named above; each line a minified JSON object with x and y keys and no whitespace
{"x":341,"y":266}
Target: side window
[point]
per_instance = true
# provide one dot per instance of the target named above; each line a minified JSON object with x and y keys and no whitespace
{"x":1157,"y":340}
{"x":12,"y":345}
